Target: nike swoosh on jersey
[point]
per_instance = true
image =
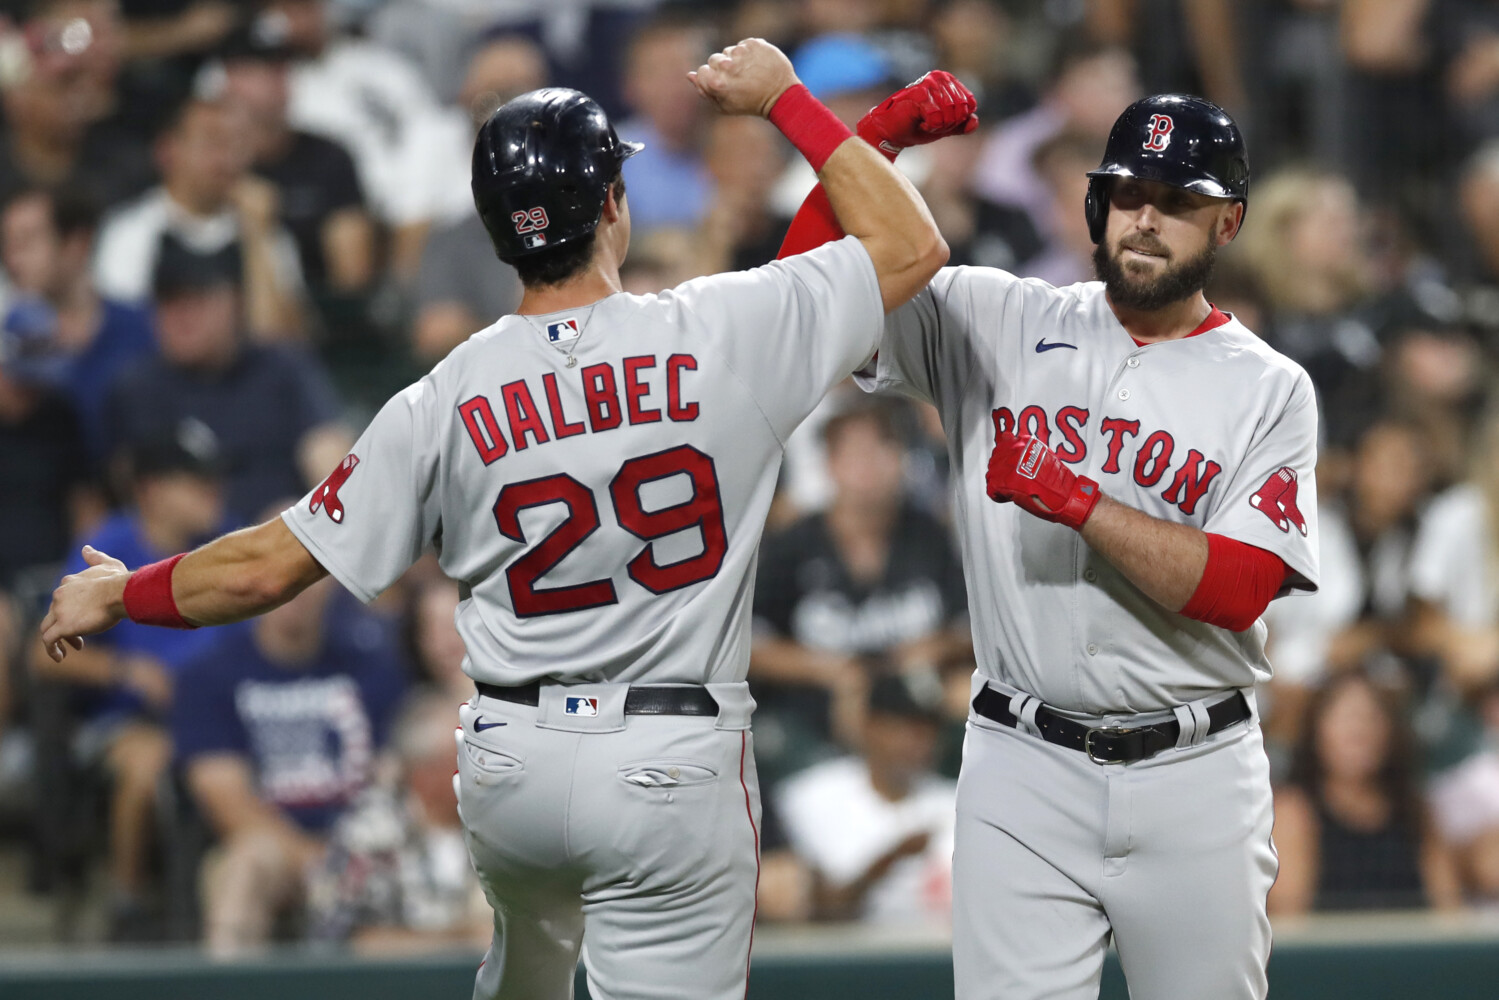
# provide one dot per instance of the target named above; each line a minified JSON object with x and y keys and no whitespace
{"x":480,"y":725}
{"x":1043,"y":346}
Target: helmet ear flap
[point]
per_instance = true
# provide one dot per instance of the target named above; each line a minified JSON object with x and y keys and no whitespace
{"x":1096,"y":207}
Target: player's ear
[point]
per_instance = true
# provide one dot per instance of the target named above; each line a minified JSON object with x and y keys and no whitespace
{"x":1230,"y":222}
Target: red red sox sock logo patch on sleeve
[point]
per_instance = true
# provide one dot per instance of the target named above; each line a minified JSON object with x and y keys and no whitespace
{"x":326,"y":495}
{"x":1277,"y":500}
{"x":1160,"y":133}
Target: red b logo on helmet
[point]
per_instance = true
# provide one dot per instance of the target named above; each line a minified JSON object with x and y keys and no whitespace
{"x":1160,"y":133}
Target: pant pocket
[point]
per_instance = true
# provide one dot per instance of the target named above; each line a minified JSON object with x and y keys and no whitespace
{"x":666,"y":772}
{"x":489,"y":761}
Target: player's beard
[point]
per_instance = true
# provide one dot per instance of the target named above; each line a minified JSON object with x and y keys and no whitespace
{"x":1129,"y":288}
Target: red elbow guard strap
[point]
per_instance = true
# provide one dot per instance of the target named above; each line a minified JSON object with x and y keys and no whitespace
{"x":148,"y":595}
{"x":1237,"y":584}
{"x":814,"y":225}
{"x":812,"y":128}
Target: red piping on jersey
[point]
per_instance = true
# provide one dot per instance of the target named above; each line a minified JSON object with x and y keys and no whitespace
{"x":1214,"y":321}
{"x":1237,"y":584}
{"x":750,"y":812}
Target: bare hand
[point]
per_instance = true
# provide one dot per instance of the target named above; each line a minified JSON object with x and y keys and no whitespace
{"x":745,"y":79}
{"x":258,"y":203}
{"x":85,"y":603}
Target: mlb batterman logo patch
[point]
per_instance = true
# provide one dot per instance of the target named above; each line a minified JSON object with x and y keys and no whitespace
{"x":1160,"y":133}
{"x":563,"y":331}
{"x":581,"y":706}
{"x":325,"y":497}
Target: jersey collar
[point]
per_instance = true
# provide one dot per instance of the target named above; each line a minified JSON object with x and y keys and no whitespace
{"x":1215,"y":319}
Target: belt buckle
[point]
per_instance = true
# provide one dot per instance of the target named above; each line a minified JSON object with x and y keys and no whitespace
{"x":1109,"y":732}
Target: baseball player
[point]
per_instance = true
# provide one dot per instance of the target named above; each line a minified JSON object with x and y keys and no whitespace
{"x":1133,"y":483}
{"x":595,"y":471}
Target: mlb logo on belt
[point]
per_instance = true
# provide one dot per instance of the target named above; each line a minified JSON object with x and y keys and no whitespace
{"x":581,"y":706}
{"x":561,"y":333}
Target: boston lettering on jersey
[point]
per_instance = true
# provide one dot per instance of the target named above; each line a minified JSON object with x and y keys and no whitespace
{"x":613,"y":394}
{"x":1154,"y":453}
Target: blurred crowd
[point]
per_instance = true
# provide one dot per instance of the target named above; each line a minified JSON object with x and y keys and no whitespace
{"x":229,"y":229}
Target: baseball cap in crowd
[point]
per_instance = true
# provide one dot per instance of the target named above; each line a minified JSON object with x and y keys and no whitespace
{"x":190,"y":447}
{"x":838,"y":64}
{"x":29,"y":351}
{"x":265,"y":37}
{"x":181,"y":270}
{"x":905,"y":697}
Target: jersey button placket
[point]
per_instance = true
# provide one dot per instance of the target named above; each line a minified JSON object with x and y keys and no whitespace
{"x":1092,"y":649}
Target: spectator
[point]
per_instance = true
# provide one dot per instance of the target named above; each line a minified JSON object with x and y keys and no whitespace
{"x":316,"y":187}
{"x":1063,"y":162}
{"x":46,"y":245}
{"x":869,"y":583}
{"x":668,"y":181}
{"x":60,"y":124}
{"x":1088,"y":85}
{"x":276,"y":733}
{"x":375,"y":104}
{"x":1305,"y":244}
{"x":745,"y":158}
{"x":437,"y":647}
{"x":877,"y":828}
{"x":125,"y":678}
{"x":462,"y":288}
{"x":207,"y":202}
{"x":45,"y":486}
{"x":1351,"y":829}
{"x":1365,"y":541}
{"x":270,"y":406}
{"x":1465,"y":803}
{"x":1182,"y":45}
{"x":396,"y":877}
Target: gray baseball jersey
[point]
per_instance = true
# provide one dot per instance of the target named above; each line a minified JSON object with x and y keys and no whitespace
{"x":1216,"y":430}
{"x":1055,"y":854}
{"x":597,"y":480}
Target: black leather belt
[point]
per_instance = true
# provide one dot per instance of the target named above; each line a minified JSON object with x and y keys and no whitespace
{"x":639,"y":700}
{"x":1109,"y":744}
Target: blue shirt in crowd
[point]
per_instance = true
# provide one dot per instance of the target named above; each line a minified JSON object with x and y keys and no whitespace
{"x":123,"y":338}
{"x":124,"y":537}
{"x":665,"y":188}
{"x":309,"y":732}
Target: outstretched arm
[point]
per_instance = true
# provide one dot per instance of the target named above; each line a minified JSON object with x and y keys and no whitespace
{"x":870,"y":200}
{"x":231,"y":578}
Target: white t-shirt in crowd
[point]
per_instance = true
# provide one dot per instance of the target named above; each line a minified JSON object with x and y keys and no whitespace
{"x":837,"y":822}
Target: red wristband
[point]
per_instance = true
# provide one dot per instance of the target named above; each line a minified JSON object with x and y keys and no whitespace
{"x":148,"y":595}
{"x":812,"y":128}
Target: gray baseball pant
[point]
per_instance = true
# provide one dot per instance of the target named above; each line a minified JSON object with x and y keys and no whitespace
{"x":1172,"y":855}
{"x":633,"y":839}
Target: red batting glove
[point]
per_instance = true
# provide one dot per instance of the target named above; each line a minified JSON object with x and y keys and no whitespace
{"x":937,"y":105}
{"x":1025,"y":471}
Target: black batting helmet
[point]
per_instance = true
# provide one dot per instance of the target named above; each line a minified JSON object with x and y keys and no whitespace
{"x":542,"y":167}
{"x":1176,"y":139}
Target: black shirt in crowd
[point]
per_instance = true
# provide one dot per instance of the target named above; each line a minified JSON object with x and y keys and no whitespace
{"x":259,"y":408}
{"x":42,"y":459}
{"x":315,"y":178}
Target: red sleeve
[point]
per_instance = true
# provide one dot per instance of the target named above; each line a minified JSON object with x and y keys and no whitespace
{"x":813,"y":226}
{"x":1237,"y":584}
